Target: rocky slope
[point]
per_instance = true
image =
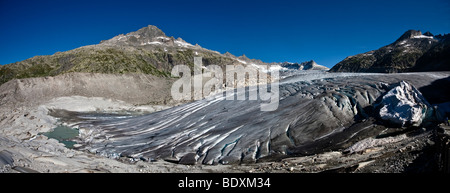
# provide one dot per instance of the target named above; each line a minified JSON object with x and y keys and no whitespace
{"x":146,"y":51}
{"x":412,"y":52}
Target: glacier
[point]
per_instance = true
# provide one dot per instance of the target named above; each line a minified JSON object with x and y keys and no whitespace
{"x":317,"y":112}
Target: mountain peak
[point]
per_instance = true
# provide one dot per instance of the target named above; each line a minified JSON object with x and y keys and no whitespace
{"x":411,"y":52}
{"x":143,"y":36}
{"x":243,"y":57}
{"x":311,"y":62}
{"x":309,"y":65}
{"x":428,"y":33}
{"x":409,"y":34}
{"x":312,"y":65}
{"x":150,"y":31}
{"x":228,"y":54}
{"x":150,"y":36}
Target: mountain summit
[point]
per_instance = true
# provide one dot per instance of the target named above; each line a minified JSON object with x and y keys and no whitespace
{"x":143,"y":35}
{"x":147,"y":36}
{"x":411,"y":34}
{"x":309,"y":65}
{"x":412,"y":52}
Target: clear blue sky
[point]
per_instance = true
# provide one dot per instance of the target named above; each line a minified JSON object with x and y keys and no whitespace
{"x":273,"y":31}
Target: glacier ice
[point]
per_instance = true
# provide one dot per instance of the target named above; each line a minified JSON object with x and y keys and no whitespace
{"x":404,"y":105}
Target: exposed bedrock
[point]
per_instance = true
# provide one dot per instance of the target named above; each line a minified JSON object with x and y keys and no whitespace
{"x":312,"y":117}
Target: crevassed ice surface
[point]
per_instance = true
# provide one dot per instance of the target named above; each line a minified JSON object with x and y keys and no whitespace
{"x":313,"y":107}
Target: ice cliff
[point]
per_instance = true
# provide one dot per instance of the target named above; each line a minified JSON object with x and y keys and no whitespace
{"x":404,"y":105}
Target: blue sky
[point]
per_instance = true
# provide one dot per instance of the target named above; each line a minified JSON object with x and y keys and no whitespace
{"x":273,"y":31}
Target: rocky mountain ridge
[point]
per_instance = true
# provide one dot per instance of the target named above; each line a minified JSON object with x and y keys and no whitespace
{"x":148,"y":51}
{"x":412,"y":52}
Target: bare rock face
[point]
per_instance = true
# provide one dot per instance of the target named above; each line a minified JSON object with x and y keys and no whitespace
{"x":404,"y":105}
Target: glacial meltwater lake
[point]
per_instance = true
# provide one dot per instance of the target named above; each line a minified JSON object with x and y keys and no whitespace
{"x":64,"y":135}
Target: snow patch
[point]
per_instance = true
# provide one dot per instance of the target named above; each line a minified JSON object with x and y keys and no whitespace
{"x":163,"y":38}
{"x":243,"y":62}
{"x":276,"y":67}
{"x":402,"y":42}
{"x":182,"y":44}
{"x":152,"y":43}
{"x":422,"y":36}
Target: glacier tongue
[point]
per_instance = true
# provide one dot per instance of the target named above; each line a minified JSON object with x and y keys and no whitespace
{"x":317,"y":113}
{"x":404,"y":105}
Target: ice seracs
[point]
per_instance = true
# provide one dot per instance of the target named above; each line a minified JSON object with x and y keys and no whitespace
{"x":404,"y":105}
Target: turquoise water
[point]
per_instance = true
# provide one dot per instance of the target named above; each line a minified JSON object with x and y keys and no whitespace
{"x":64,"y":135}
